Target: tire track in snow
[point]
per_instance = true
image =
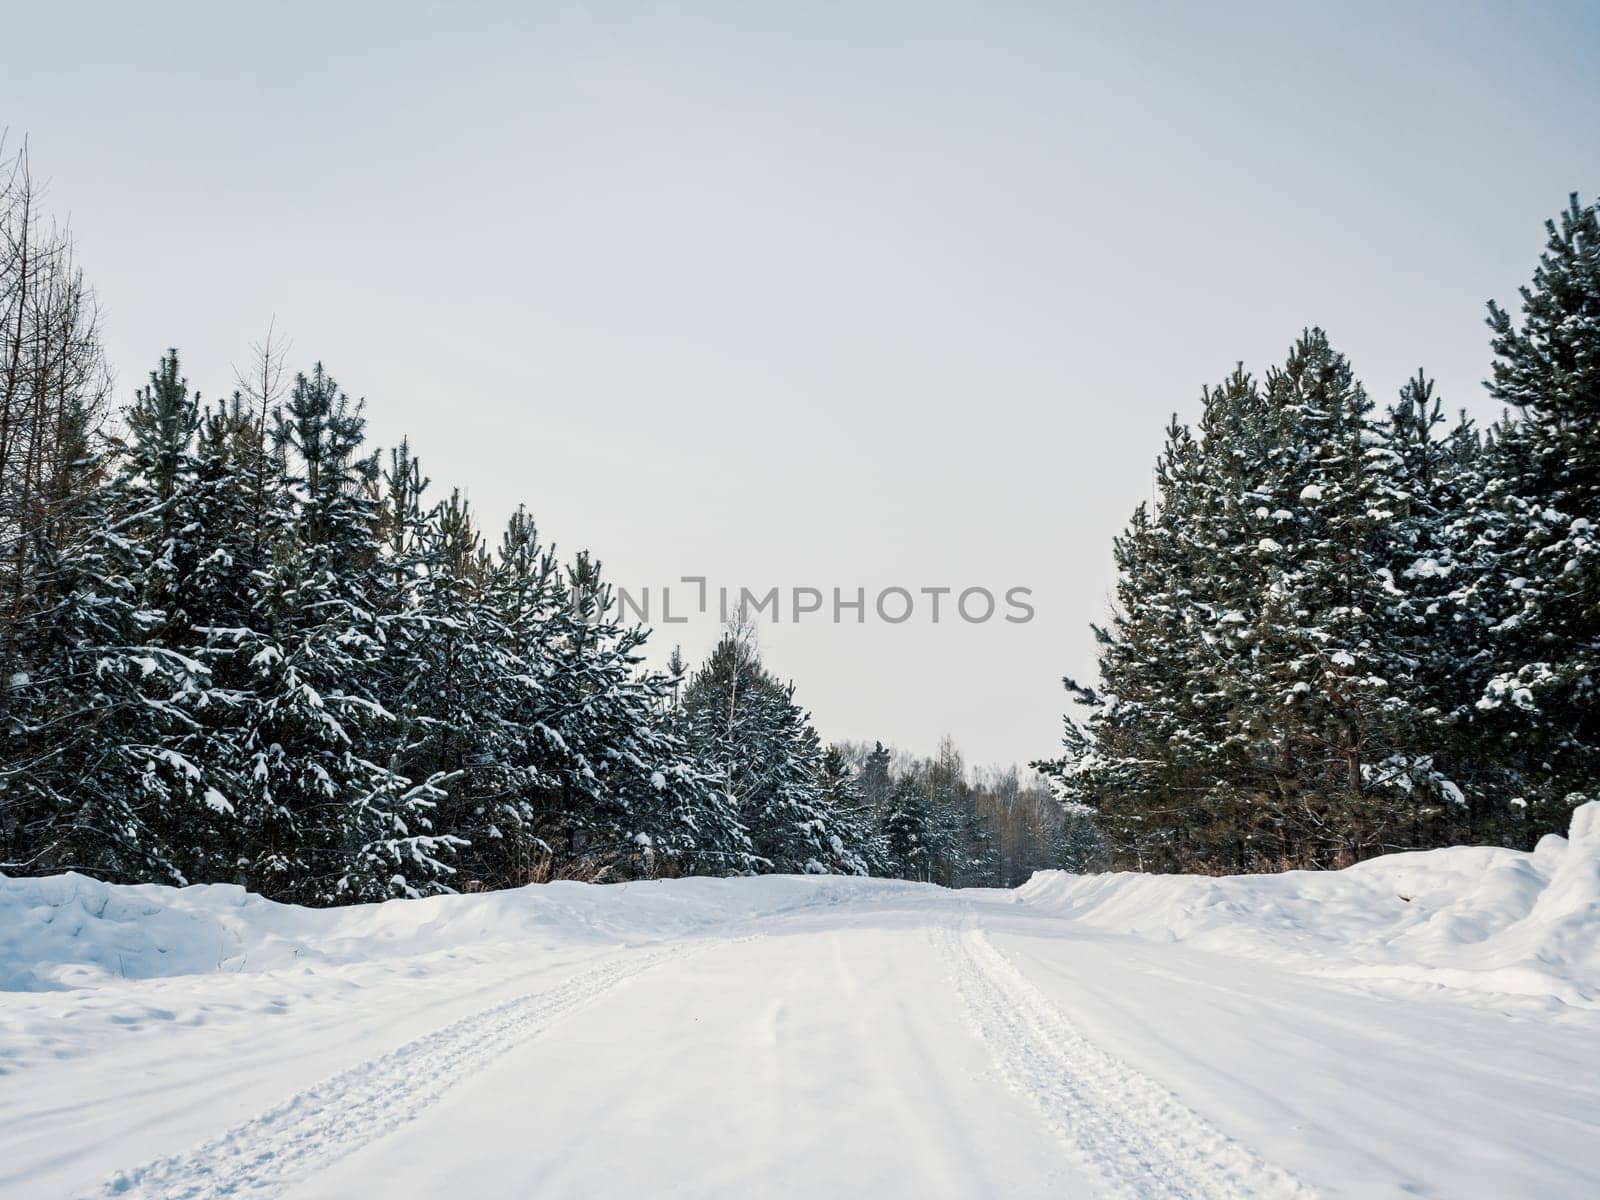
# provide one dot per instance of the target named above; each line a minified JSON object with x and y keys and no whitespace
{"x":1132,"y":1133}
{"x":313,"y":1128}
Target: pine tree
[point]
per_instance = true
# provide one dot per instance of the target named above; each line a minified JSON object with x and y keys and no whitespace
{"x":511,"y":784}
{"x":961,"y":845}
{"x":1268,"y":695}
{"x":237,"y":507}
{"x":908,"y":831}
{"x":1533,"y":530}
{"x":326,"y":820}
{"x":580,"y":768}
{"x":95,"y":780}
{"x":166,"y":503}
{"x":1439,"y":776}
{"x":1156,"y":740}
{"x":640,"y":792}
{"x":876,"y":781}
{"x":759,"y":746}
{"x":856,"y":819}
{"x":437,"y":673}
{"x":124,"y":780}
{"x":1318,"y":677}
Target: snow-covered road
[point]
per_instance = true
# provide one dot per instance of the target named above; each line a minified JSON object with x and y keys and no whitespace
{"x":766,"y":1037}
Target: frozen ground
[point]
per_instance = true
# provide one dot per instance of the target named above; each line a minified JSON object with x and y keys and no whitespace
{"x":1423,"y":1025}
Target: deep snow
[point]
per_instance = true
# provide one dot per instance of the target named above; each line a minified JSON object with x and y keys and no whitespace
{"x":1476,"y":918}
{"x":1423,"y":1024}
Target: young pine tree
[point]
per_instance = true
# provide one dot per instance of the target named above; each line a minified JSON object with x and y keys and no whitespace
{"x":329,"y":819}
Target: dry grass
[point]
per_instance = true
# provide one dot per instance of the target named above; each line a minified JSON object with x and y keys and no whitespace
{"x":547,"y":868}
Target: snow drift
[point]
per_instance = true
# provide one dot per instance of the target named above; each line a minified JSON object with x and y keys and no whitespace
{"x":1471,"y":918}
{"x":1475,"y":918}
{"x":69,"y":931}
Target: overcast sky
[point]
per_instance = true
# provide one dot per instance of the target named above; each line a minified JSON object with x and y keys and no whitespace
{"x":812,"y":295}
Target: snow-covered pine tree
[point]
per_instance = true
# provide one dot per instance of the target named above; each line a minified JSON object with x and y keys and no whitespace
{"x":1321,"y":684}
{"x":1154,"y":752}
{"x":1340,"y":696}
{"x":857,"y":820}
{"x":515,"y":784}
{"x":237,"y":508}
{"x":1445,"y":789}
{"x":585,"y":772}
{"x":438,"y":672}
{"x":586,"y":707}
{"x":171,"y":501}
{"x":1263,"y":699}
{"x":908,"y":830}
{"x":876,"y":781}
{"x":1532,"y":532}
{"x":651,"y":798}
{"x":100,"y":731}
{"x":759,"y":746}
{"x":962,"y":845}
{"x":328,"y":819}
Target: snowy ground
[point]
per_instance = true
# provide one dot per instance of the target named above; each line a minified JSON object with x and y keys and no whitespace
{"x":1425,"y":1024}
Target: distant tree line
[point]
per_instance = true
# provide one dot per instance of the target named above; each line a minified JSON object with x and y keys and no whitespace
{"x":944,"y":822}
{"x":1341,"y":629}
{"x":851,"y":809}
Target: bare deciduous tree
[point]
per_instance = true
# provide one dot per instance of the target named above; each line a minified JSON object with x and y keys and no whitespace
{"x":55,"y":389}
{"x":54,"y":383}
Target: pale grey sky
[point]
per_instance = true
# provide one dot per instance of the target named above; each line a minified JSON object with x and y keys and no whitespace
{"x":832,"y":295}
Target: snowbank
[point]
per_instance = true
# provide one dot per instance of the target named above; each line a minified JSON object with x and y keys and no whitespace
{"x":69,"y":931}
{"x":1481,"y":919}
{"x":1470,"y":917}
